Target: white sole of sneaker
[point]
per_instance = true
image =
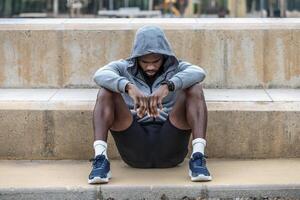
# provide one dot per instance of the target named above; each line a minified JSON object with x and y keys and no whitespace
{"x":199,"y":177}
{"x":97,"y":180}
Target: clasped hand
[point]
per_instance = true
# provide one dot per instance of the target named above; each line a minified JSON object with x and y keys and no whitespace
{"x":147,"y":104}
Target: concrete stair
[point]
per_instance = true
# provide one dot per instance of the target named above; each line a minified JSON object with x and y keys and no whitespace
{"x":236,"y":53}
{"x":246,"y":179}
{"x":46,"y":134}
{"x":57,"y":123}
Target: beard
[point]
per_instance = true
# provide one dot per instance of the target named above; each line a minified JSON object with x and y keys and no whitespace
{"x":150,"y":73}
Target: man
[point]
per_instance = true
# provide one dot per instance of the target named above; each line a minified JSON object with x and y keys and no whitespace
{"x":150,"y":102}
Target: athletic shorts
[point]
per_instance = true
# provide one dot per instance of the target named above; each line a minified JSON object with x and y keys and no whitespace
{"x":152,"y":145}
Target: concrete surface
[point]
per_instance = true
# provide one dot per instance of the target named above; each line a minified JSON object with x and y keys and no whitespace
{"x":241,"y":95}
{"x":284,"y":95}
{"x":57,"y":124}
{"x":89,"y":95}
{"x":35,"y":95}
{"x":236,"y":53}
{"x":231,"y":178}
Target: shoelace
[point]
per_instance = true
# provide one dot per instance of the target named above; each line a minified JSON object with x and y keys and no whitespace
{"x":200,"y":159}
{"x":199,"y":156}
{"x":98,"y":162}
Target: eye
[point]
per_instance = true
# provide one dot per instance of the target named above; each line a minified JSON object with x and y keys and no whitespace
{"x":157,"y":61}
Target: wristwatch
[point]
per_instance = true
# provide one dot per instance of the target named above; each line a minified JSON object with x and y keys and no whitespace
{"x":170,"y":84}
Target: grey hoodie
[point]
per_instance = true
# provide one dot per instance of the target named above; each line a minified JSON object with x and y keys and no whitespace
{"x":149,"y":39}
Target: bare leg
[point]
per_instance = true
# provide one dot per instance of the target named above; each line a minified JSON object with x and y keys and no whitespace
{"x":191,"y":101}
{"x":110,"y":112}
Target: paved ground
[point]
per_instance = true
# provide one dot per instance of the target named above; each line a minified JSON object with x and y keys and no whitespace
{"x":66,"y":173}
{"x":244,"y":179}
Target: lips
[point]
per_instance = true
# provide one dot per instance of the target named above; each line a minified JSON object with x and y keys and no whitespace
{"x":151,"y":72}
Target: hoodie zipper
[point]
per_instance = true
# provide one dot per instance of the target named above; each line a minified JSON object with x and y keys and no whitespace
{"x":143,"y":83}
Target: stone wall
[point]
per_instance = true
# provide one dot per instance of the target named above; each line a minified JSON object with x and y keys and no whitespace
{"x":236,"y":53}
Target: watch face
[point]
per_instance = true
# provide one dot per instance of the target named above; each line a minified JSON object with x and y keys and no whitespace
{"x":171,"y":86}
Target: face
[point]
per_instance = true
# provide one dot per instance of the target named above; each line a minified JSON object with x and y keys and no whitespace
{"x":151,"y":63}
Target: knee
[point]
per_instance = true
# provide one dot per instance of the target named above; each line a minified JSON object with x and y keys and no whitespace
{"x":195,"y":91}
{"x":104,"y":94}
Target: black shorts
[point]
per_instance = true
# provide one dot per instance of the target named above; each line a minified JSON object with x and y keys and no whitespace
{"x":152,"y":145}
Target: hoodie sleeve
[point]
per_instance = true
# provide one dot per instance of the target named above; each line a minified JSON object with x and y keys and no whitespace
{"x":112,"y":77}
{"x":187,"y":75}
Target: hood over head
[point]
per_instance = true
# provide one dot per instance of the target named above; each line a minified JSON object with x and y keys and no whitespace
{"x":152,"y":39}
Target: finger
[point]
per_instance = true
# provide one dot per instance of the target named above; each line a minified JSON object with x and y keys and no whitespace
{"x":154,"y":106}
{"x":145,"y":102}
{"x":139,"y":107}
{"x":149,"y":105}
{"x":136,"y":102}
{"x":160,"y":106}
{"x":142,"y":107}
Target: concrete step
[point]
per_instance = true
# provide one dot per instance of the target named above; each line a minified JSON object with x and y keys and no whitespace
{"x":236,"y":53}
{"x":243,"y":179}
{"x":57,"y":123}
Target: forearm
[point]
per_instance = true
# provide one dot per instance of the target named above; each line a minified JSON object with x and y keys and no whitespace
{"x":110,"y":81}
{"x":188,"y":77}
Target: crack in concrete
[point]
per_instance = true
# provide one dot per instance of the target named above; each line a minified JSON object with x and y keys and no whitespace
{"x":49,"y":134}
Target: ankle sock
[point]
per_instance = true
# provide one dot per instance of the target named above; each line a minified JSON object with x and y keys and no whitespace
{"x":100,"y":147}
{"x":198,"y":145}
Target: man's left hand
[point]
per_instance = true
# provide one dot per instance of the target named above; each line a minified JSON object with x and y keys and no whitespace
{"x":155,"y":100}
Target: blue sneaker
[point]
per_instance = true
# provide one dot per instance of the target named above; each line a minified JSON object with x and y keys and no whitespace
{"x":101,"y":170}
{"x":198,"y":170}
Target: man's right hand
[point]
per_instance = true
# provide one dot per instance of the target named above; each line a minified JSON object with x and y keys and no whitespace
{"x":140,"y":100}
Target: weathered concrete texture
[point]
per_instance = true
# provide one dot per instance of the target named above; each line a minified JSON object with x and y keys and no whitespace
{"x":142,"y":193}
{"x":85,"y":51}
{"x":57,"y":123}
{"x":200,"y":192}
{"x":247,"y":53}
{"x":282,"y":62}
{"x":23,"y":134}
{"x":49,"y":194}
{"x":243,"y":62}
{"x":253,"y":134}
{"x":48,"y":134}
{"x":74,"y":135}
{"x":30,"y":58}
{"x":251,"y":179}
{"x":68,"y":134}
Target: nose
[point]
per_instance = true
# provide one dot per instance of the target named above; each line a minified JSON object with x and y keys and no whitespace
{"x":150,"y":67}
